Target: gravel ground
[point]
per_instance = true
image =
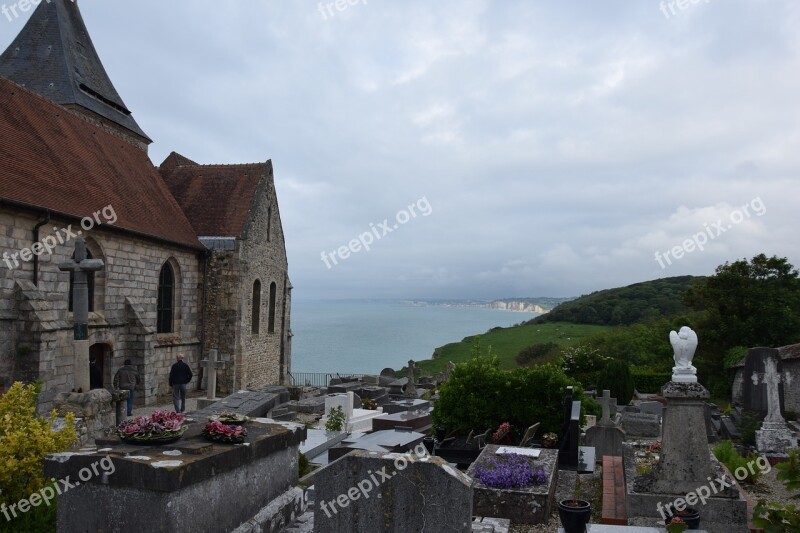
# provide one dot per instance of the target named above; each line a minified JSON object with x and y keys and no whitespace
{"x":591,"y":489}
{"x":769,"y":488}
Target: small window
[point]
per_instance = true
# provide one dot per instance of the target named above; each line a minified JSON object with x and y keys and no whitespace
{"x":256,"y":304}
{"x":166,"y":291}
{"x":89,"y":284}
{"x":273,"y":290}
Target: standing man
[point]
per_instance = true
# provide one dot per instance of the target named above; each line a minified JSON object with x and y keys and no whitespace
{"x":95,"y":374}
{"x":179,"y":376}
{"x":127,"y":378}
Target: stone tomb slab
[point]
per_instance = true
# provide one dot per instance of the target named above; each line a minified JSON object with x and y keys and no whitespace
{"x":530,"y":505}
{"x":168,"y":483}
{"x":415,"y":493}
{"x":318,"y":441}
{"x":416,"y":420}
{"x":599,"y":528}
{"x":248,"y":403}
{"x":406,"y":405}
{"x":388,"y":441}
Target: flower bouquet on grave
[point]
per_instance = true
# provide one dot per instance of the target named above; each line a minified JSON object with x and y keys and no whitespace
{"x":230,"y":419}
{"x":501,"y":435}
{"x":689,"y":516}
{"x":161,"y":427}
{"x":216,"y":431}
{"x":549,"y":440}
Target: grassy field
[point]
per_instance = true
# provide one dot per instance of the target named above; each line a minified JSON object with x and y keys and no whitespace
{"x":507,"y":342}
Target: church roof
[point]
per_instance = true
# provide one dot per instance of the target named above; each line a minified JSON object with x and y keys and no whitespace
{"x":53,"y":159}
{"x":54,"y":56}
{"x":215,"y":198}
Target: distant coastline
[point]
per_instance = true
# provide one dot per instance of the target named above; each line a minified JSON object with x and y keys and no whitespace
{"x":518,"y":305}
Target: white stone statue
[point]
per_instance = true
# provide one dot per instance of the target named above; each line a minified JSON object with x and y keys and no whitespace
{"x":684,"y":344}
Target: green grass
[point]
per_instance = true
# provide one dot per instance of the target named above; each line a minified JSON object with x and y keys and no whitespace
{"x":507,"y":342}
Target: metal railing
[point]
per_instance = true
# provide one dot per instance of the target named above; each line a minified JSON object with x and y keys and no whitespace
{"x":317,"y":379}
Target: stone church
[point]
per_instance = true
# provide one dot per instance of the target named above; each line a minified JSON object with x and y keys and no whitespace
{"x":194,"y":254}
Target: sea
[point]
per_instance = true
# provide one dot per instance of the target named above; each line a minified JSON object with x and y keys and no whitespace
{"x":366,"y":336}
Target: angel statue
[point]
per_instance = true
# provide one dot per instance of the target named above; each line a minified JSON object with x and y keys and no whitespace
{"x":684,"y":344}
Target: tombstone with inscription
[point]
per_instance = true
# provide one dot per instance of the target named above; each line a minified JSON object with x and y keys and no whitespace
{"x":571,"y":455}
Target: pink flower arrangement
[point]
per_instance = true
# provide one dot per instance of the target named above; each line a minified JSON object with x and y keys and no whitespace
{"x":160,"y":424}
{"x":501,"y":432}
{"x":217,"y":431}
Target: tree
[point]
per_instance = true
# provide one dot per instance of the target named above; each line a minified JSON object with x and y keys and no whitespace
{"x":616,"y":377}
{"x":750,"y":304}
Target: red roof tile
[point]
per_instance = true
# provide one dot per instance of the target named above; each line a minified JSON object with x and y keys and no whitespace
{"x":215,"y":198}
{"x":52,"y":159}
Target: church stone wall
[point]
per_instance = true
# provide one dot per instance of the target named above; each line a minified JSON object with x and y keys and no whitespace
{"x":222,"y":313}
{"x":37,"y":327}
{"x":263,"y":255}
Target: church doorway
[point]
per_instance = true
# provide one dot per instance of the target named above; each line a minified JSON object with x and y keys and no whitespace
{"x":102,"y":355}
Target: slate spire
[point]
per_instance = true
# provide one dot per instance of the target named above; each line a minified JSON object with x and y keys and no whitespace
{"x":54,"y":56}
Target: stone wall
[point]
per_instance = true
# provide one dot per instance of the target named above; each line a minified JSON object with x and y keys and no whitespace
{"x":791,"y":394}
{"x":222,"y":312}
{"x":36,"y":333}
{"x":263,"y":254}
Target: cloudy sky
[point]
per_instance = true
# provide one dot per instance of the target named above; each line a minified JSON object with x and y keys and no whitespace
{"x":550,"y":148}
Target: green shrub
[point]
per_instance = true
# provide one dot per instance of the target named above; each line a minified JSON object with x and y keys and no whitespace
{"x":747,"y":426}
{"x":336,"y":419}
{"x":480,"y":396}
{"x":616,"y":377}
{"x":726,"y":454}
{"x":535,"y":351}
{"x":583,"y":363}
{"x":645,"y":380}
{"x":303,"y":466}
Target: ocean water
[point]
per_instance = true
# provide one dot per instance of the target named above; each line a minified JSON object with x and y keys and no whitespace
{"x":366,"y":336}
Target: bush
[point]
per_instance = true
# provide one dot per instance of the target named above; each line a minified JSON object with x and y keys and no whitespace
{"x":535,"y":351}
{"x":727,"y":455}
{"x":303,"y":466}
{"x":747,"y":426}
{"x":583,"y":363}
{"x":480,"y":396}
{"x":336,"y":419}
{"x":645,"y":380}
{"x":616,"y":377}
{"x":25,"y":439}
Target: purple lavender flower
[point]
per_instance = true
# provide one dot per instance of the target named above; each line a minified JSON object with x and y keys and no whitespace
{"x":509,"y":471}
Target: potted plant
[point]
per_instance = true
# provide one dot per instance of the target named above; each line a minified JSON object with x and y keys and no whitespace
{"x":689,"y":515}
{"x":676,"y":525}
{"x":575,"y":513}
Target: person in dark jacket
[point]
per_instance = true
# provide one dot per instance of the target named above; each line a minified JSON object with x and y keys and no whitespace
{"x":95,"y":374}
{"x":127,"y":378}
{"x":179,"y":376}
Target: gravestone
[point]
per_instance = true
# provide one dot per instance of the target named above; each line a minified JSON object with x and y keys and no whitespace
{"x":253,"y":403}
{"x":606,"y":438}
{"x":774,"y":435}
{"x":609,"y":406}
{"x":572,"y":456}
{"x":754,"y":395}
{"x":641,"y":424}
{"x":411,"y":388}
{"x":685,"y":462}
{"x":387,"y":376}
{"x":385,"y":441}
{"x":212,"y":364}
{"x":366,"y":492}
{"x":653,"y":408}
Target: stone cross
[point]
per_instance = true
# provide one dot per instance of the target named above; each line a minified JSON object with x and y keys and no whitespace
{"x":606,"y":401}
{"x":772,"y":379}
{"x":80,"y":266}
{"x":212,"y":364}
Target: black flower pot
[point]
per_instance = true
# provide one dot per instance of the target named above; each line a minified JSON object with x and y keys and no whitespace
{"x":429,"y":443}
{"x":574,"y":514}
{"x":689,"y":515}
